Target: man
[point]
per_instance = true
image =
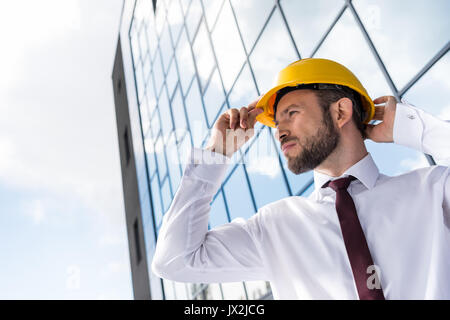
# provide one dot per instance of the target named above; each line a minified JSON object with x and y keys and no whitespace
{"x":359,"y":235}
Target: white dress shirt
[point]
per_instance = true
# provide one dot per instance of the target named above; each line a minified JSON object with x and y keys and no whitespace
{"x":296,"y":242}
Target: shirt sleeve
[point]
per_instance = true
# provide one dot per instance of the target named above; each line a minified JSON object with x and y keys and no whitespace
{"x":186,"y":251}
{"x":422,"y":131}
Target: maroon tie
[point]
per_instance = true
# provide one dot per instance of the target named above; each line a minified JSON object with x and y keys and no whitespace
{"x":354,"y":239}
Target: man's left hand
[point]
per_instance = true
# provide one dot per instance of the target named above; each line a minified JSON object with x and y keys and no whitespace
{"x":383,"y":131}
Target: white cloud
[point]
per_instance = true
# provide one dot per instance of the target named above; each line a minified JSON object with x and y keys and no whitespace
{"x":445,"y":113}
{"x":410,"y":164}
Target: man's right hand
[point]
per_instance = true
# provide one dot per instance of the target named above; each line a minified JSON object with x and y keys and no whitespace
{"x":233,"y":129}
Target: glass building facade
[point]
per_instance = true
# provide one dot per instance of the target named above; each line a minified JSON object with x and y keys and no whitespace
{"x":188,"y":61}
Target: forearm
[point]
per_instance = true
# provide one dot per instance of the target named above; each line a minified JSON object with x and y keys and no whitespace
{"x":185,"y":224}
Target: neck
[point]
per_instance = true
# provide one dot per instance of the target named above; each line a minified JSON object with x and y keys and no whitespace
{"x":346,"y":154}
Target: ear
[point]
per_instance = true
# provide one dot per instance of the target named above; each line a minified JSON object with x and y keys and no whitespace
{"x":343,"y":111}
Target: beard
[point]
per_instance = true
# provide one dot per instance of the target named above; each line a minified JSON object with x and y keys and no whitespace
{"x":316,"y":148}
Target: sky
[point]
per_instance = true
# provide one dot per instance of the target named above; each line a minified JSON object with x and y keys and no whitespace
{"x":62,"y":222}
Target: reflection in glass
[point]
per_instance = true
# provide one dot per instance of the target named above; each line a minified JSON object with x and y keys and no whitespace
{"x":169,"y":289}
{"x":257,"y":289}
{"x":228,"y":46}
{"x":166,"y":195}
{"x":238,"y":196}
{"x":233,"y":291}
{"x":212,"y":292}
{"x":158,"y":75}
{"x":309,"y":20}
{"x":213,"y":97}
{"x":405,"y":40}
{"x":203,"y":55}
{"x":196,"y":115}
{"x":164,"y":112}
{"x":185,"y":62}
{"x":160,"y":157}
{"x":175,"y":18}
{"x":193,"y":18}
{"x":251,"y":15}
{"x":166,"y":47}
{"x":156,"y":201}
{"x":172,"y":78}
{"x":212,"y":9}
{"x":273,"y":52}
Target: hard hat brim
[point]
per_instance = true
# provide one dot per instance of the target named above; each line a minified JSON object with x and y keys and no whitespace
{"x":267,"y":100}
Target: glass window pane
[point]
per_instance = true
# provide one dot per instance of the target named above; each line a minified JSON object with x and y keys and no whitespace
{"x":173,"y":162}
{"x":273,"y":52}
{"x":257,"y":289}
{"x":218,"y":215}
{"x":178,"y":114}
{"x":203,"y":55}
{"x":150,"y":150}
{"x":166,"y":47}
{"x":185,"y":62}
{"x":166,"y":195}
{"x":212,"y":9}
{"x":213,"y":98}
{"x":164,"y":112}
{"x":213,"y":292}
{"x":152,"y":41}
{"x":195,"y":114}
{"x":407,"y":34}
{"x":185,"y":5}
{"x":346,"y":45}
{"x":160,"y":157}
{"x":145,"y":117}
{"x":237,"y":195}
{"x":156,"y":198}
{"x":155,"y":123}
{"x":180,"y":287}
{"x":244,"y":90}
{"x":309,"y":20}
{"x":160,"y":17}
{"x":142,"y":41}
{"x":251,"y":21}
{"x":233,"y":291}
{"x":172,"y":78}
{"x":175,"y":18}
{"x":193,"y":17}
{"x":158,"y":75}
{"x":155,"y":286}
{"x":169,"y":289}
{"x":264,"y":170}
{"x":228,"y":46}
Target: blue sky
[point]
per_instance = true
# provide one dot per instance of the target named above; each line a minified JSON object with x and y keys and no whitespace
{"x":62,"y":224}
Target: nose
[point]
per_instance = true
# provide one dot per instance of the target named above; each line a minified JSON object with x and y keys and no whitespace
{"x":280,"y":134}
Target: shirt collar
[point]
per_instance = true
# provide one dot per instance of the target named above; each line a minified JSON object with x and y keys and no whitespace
{"x":365,"y":170}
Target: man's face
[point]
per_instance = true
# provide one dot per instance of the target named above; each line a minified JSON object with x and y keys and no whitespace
{"x":307,"y":136}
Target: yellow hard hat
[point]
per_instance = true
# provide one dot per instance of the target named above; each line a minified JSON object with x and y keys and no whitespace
{"x":312,"y":71}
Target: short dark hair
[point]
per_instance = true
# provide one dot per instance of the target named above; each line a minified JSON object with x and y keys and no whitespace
{"x":328,"y":94}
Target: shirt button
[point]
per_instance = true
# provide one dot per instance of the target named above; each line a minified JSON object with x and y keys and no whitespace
{"x":410,"y":116}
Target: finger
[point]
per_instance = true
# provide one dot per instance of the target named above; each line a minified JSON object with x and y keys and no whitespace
{"x":379,"y":113}
{"x":380,"y":100}
{"x":252,"y":116}
{"x":234,"y":117}
{"x":243,"y":114}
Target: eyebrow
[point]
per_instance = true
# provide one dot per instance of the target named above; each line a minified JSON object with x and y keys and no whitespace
{"x":285,"y":111}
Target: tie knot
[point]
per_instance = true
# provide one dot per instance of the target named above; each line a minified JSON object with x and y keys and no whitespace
{"x":339,"y":184}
